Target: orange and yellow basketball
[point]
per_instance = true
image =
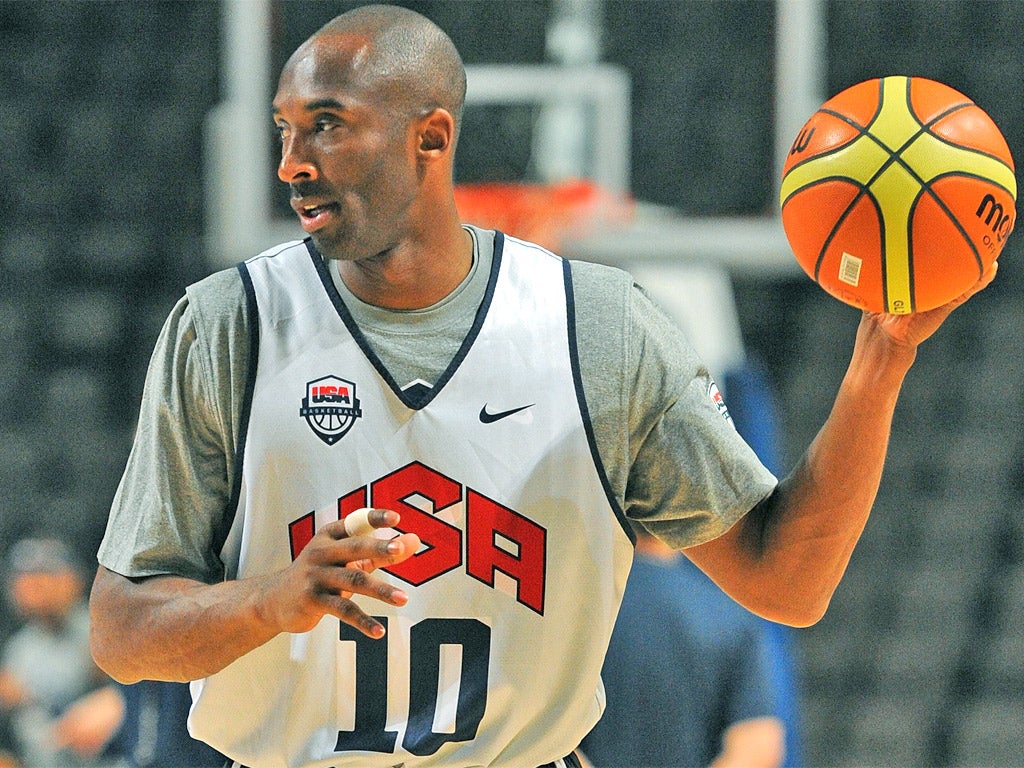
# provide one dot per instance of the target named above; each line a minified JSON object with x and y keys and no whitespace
{"x":897,"y":194}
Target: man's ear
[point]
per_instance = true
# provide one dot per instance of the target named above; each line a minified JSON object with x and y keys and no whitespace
{"x":436,"y":133}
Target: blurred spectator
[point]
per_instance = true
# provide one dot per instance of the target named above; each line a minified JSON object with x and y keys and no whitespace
{"x":688,"y":675}
{"x":752,"y":405}
{"x":62,"y":711}
{"x":155,"y":734}
{"x":7,"y":756}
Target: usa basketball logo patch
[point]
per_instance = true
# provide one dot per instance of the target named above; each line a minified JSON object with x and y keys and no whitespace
{"x":716,"y":397}
{"x":330,"y":408}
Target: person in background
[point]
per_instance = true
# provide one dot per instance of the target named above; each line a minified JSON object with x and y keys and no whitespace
{"x":155,"y":732}
{"x":688,"y":675}
{"x":8,"y":759}
{"x":62,"y":710}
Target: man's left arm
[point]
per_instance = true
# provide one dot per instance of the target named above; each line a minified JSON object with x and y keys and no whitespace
{"x":784,"y":559}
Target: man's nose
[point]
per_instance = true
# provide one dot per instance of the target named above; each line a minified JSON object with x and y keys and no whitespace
{"x":296,"y":163}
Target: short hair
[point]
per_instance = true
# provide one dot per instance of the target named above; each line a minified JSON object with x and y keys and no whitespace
{"x":40,"y":555}
{"x":411,"y":51}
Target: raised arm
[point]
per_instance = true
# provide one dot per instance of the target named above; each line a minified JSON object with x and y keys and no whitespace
{"x":174,"y":628}
{"x":785,"y":558}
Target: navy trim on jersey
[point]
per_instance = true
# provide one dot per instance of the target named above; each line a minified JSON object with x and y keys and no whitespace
{"x":320,"y":265}
{"x":221,"y":534}
{"x":418,"y":398}
{"x":581,"y":398}
{"x":569,"y":761}
{"x":481,"y":313}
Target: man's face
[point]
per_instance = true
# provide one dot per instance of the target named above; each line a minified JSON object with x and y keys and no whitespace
{"x":45,"y":595}
{"x":347,"y":149}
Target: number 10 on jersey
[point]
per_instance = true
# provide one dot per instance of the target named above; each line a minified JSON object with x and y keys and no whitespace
{"x":444,"y":704}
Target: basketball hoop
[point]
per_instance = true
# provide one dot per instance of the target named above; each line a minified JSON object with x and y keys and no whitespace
{"x":545,"y":214}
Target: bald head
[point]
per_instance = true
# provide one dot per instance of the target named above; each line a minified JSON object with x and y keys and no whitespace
{"x":399,"y":53}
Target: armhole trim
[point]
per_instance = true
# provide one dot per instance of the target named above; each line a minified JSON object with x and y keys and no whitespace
{"x":581,"y":399}
{"x":252,"y":309}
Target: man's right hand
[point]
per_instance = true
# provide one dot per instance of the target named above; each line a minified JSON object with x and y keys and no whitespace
{"x":170,"y":627}
{"x":333,"y":567}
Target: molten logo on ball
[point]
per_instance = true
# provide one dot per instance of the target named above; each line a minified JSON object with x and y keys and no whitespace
{"x":898,"y":194}
{"x":994,"y":216}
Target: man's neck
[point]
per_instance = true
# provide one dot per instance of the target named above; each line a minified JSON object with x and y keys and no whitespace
{"x":402,"y":280}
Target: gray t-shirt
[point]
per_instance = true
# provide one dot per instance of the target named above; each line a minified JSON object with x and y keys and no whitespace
{"x":671,"y":458}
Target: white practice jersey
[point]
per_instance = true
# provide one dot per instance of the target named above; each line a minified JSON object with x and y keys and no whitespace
{"x":496,"y":658}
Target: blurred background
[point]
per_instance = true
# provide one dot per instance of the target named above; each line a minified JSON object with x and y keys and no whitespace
{"x":134,"y":162}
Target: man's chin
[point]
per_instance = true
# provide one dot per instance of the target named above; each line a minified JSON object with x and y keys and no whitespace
{"x":329,"y":247}
{"x":343,"y":249}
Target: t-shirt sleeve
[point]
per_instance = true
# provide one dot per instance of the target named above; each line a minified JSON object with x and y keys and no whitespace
{"x":671,"y":455}
{"x":692,"y":475}
{"x":171,"y":505}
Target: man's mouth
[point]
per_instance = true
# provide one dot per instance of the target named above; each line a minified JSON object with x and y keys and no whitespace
{"x":314,"y":216}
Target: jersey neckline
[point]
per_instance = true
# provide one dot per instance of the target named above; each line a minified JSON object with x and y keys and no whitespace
{"x":418,"y":397}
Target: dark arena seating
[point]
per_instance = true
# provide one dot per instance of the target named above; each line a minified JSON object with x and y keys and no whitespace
{"x":920,"y":660}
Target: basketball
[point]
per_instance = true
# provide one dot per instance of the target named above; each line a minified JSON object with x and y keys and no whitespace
{"x":897,"y":194}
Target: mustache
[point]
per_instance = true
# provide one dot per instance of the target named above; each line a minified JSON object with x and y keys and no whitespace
{"x":308,"y":189}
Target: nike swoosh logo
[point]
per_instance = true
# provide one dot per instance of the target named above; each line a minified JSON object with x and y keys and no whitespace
{"x":489,"y":418}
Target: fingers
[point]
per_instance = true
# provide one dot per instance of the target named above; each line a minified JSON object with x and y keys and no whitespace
{"x":909,"y":331}
{"x":356,"y":579}
{"x":366,"y":520}
{"x":345,"y":564}
{"x":983,"y":282}
{"x":986,"y":278}
{"x":348,"y":612}
{"x":339,"y":584}
{"x":338,"y":565}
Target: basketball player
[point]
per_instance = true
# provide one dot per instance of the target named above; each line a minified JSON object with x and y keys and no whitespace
{"x":501,"y":410}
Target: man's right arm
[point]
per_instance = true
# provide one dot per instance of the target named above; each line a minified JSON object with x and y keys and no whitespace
{"x":170,"y":627}
{"x":175,"y":628}
{"x":161,"y":609}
